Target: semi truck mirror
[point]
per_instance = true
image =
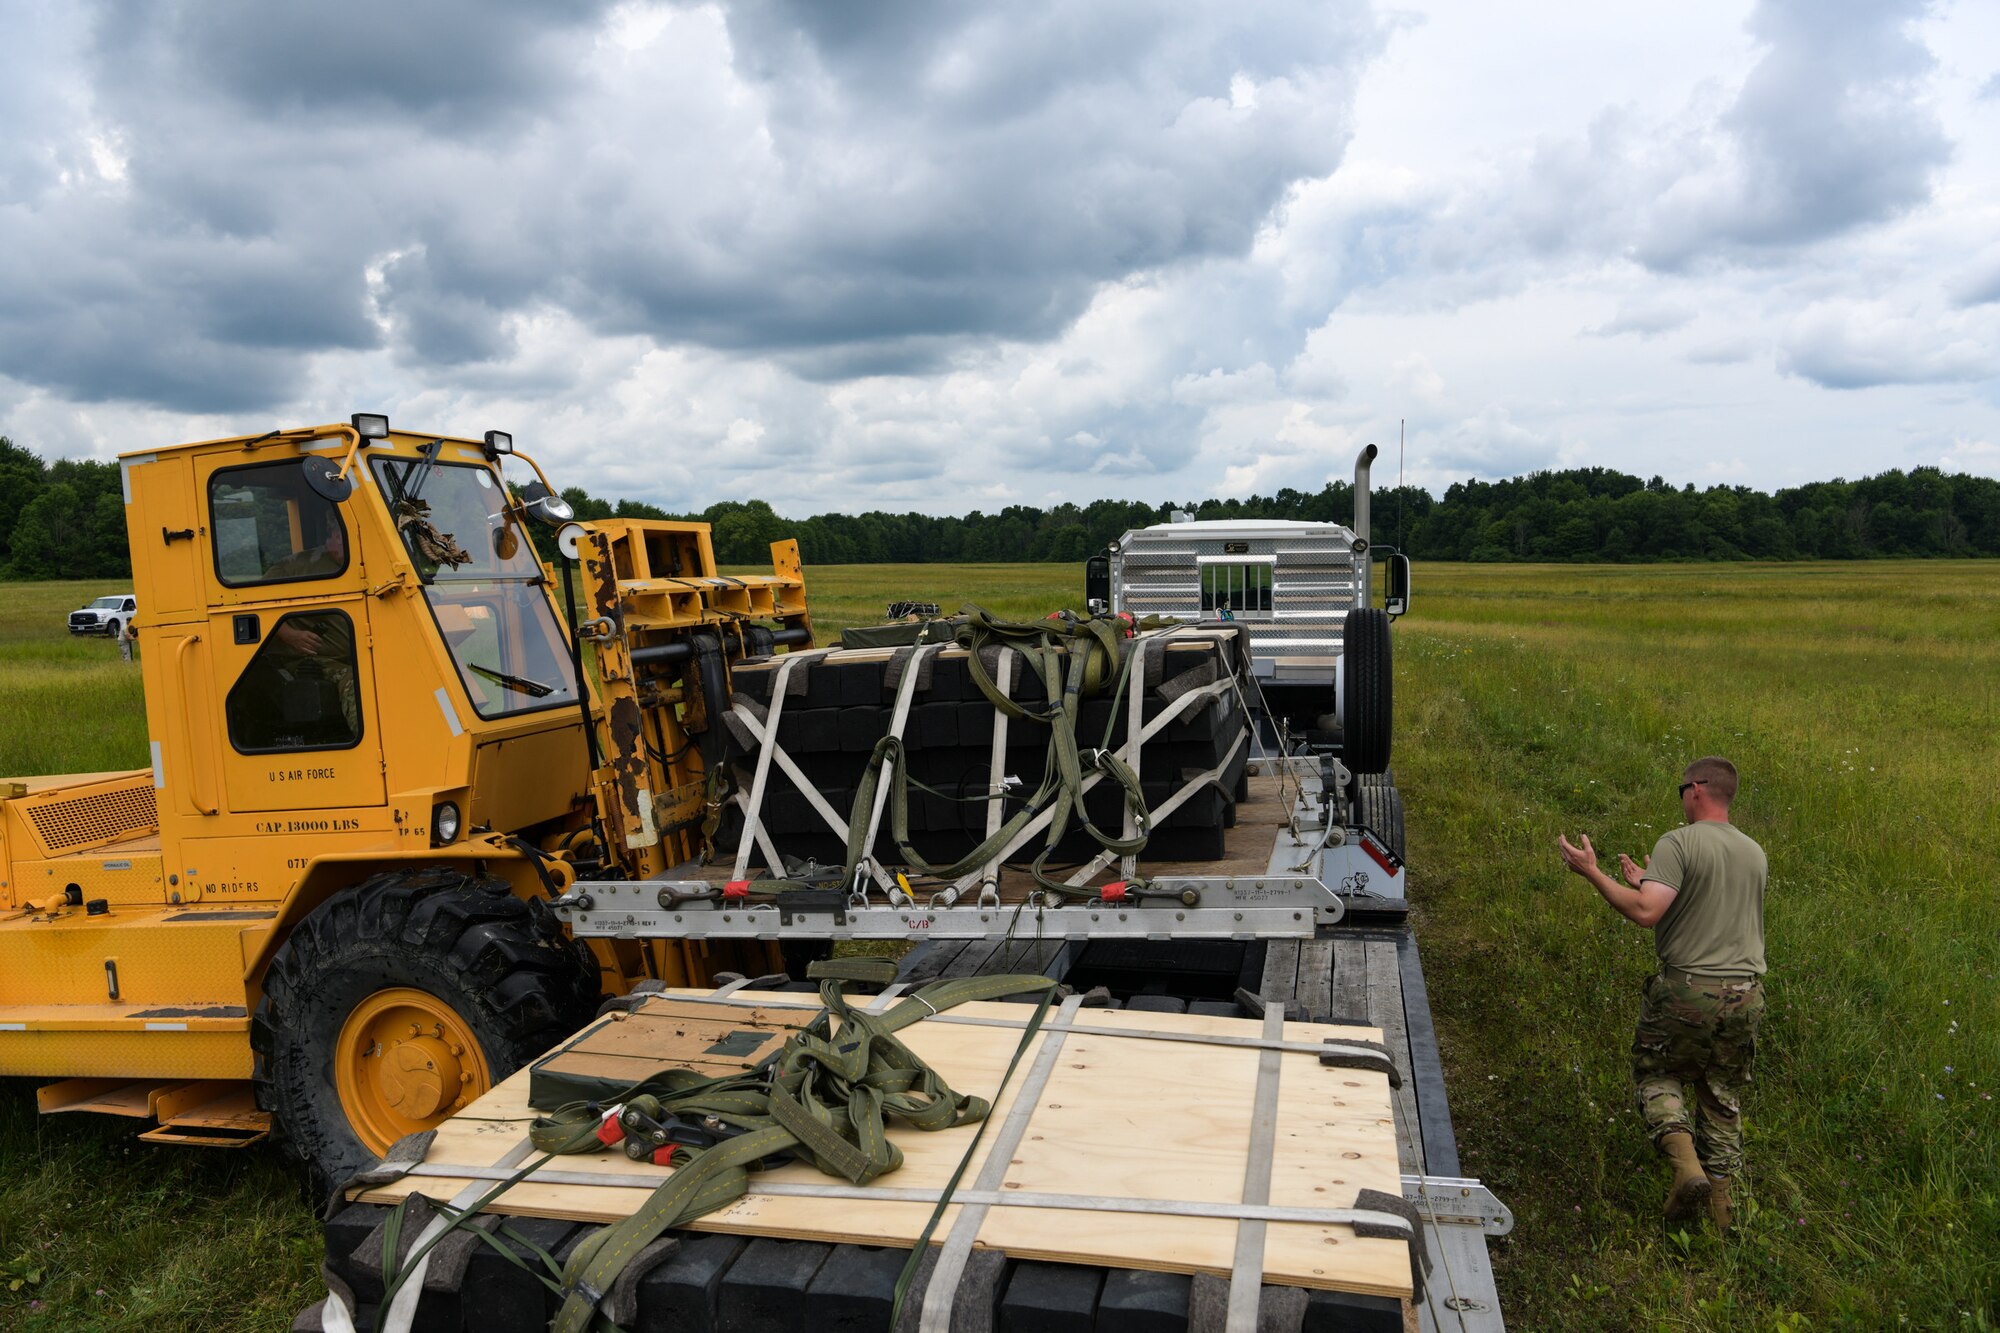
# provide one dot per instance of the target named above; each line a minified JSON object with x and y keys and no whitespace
{"x":1397,"y":601}
{"x":1097,"y":582}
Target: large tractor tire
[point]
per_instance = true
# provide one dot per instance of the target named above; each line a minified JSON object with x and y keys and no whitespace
{"x":400,"y":1000}
{"x":1367,"y":709}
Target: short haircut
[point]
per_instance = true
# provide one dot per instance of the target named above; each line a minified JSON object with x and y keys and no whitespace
{"x":1715,"y":773}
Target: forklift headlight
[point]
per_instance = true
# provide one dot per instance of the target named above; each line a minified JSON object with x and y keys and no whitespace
{"x":444,"y":823}
{"x":370,"y":425}
{"x":545,"y":506}
{"x":498,"y":442}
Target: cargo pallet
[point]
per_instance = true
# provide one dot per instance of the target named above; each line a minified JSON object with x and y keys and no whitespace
{"x":1353,"y":960}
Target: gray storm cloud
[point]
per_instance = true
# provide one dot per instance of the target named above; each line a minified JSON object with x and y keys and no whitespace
{"x":860,"y":194}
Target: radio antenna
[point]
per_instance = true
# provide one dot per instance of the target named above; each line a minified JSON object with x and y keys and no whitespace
{"x":1400,"y":423}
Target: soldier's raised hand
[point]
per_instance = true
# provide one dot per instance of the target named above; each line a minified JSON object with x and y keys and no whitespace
{"x":1635,"y":874}
{"x":1582,"y":859}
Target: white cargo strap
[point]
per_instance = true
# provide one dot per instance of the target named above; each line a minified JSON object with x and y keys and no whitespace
{"x":402,"y":1311}
{"x":906,"y":691}
{"x":753,"y":831}
{"x":996,"y":787}
{"x":1135,"y":716}
{"x":1041,"y":821}
{"x":1246,"y":1276}
{"x":1135,"y":711}
{"x":1165,"y":808}
{"x":951,"y":1256}
{"x":766,"y":739}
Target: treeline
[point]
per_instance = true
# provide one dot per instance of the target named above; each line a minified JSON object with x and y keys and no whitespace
{"x":1577,"y":515}
{"x":66,"y":519}
{"x":60,"y":520}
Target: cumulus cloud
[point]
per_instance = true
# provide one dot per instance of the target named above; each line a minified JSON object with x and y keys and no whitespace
{"x":1981,"y":457}
{"x":1729,"y":351}
{"x":1828,"y":133}
{"x":1854,"y":345}
{"x":1647,"y":319}
{"x":1979,"y":287}
{"x":1492,"y":445}
{"x":1825,"y":135}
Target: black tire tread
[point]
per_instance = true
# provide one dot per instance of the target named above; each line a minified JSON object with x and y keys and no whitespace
{"x":1380,"y":809}
{"x":467,"y":939}
{"x":1369,"y":707}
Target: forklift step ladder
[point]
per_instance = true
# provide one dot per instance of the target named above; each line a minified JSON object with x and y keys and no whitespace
{"x":202,"y":1113}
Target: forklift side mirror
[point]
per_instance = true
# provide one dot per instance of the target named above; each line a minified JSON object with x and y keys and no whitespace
{"x":324,"y":479}
{"x":1397,"y":600}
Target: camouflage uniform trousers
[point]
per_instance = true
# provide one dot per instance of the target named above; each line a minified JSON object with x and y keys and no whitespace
{"x":1691,"y":1057}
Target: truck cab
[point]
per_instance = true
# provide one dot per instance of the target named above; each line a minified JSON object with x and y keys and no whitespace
{"x":1319,"y":647}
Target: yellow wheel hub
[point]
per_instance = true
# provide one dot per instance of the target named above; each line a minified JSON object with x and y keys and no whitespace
{"x":405,"y":1060}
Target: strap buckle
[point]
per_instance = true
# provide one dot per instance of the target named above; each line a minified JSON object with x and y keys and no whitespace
{"x":611,"y":1130}
{"x":650,"y":1139}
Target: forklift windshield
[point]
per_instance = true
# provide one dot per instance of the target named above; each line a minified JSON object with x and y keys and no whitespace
{"x":483,"y":584}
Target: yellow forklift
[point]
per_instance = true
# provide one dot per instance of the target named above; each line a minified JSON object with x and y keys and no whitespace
{"x":378,"y":751}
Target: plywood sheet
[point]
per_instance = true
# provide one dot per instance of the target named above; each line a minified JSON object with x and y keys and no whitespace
{"x":1123,"y":1115}
{"x":621,"y":1049}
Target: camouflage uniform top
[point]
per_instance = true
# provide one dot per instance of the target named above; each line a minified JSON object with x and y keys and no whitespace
{"x":335,"y":630}
{"x":1715,"y":925}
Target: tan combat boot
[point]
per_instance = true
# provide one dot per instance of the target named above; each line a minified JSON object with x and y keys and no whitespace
{"x":1690,"y":1189}
{"x":1718,"y":1202}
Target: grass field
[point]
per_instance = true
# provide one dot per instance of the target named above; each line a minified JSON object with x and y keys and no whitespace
{"x":1861,"y":702}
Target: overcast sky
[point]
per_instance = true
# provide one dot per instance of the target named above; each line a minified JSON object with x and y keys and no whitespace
{"x":943,"y":256}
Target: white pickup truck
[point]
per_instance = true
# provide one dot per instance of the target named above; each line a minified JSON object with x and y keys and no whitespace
{"x":106,"y":615}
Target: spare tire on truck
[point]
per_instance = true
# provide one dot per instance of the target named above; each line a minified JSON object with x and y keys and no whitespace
{"x":399,"y":1001}
{"x":1366,"y":704}
{"x":1380,"y":811}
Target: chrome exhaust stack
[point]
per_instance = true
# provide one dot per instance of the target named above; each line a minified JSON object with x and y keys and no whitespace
{"x":1364,"y":589}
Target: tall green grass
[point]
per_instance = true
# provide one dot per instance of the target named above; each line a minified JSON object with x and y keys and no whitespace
{"x":68,"y":704}
{"x":1860,"y":701}
{"x":1861,"y":704}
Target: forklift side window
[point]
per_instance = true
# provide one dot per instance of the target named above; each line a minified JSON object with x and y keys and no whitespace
{"x":268,"y":527}
{"x":300,"y":690}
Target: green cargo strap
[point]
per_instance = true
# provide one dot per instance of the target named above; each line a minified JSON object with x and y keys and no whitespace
{"x":395,"y":1276}
{"x":1074,"y":659}
{"x":941,"y":630}
{"x":825,"y":1096}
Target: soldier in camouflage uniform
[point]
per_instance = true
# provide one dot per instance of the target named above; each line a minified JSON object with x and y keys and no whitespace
{"x":1701,"y":892}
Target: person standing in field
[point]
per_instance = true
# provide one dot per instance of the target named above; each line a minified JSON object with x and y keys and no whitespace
{"x":1701,"y":893}
{"x":125,"y":636}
